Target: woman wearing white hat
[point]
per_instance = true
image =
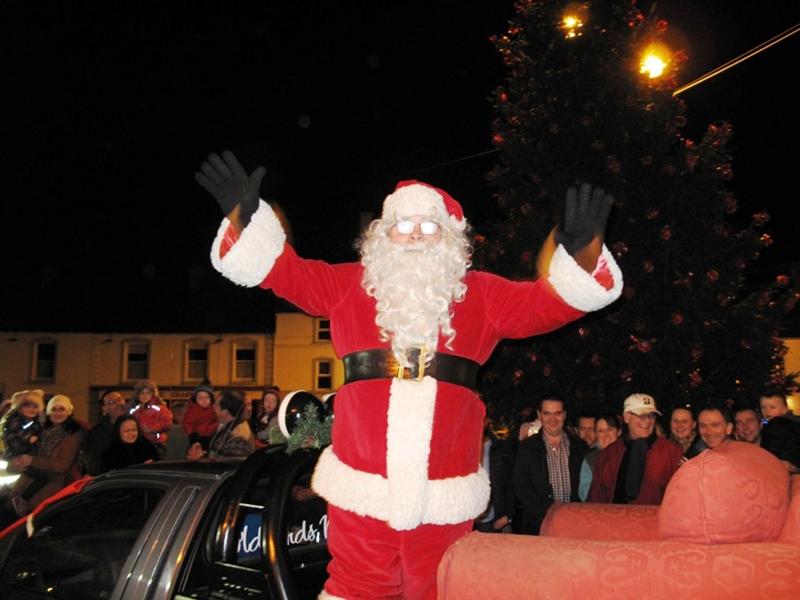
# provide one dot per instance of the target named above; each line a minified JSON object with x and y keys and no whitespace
{"x":57,"y":455}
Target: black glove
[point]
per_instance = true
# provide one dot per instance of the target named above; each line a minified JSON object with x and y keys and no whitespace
{"x":226,"y":180}
{"x":585,"y":216}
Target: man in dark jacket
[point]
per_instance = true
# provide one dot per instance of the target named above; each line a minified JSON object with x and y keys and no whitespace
{"x":548,"y":466}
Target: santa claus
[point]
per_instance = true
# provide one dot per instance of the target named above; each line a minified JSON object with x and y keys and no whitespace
{"x":412,"y":324}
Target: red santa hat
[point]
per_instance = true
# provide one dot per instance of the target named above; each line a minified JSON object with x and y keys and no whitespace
{"x":412,"y":197}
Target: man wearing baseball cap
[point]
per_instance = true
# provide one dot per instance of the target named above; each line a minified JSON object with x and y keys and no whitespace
{"x":637,"y":467}
{"x":412,"y":324}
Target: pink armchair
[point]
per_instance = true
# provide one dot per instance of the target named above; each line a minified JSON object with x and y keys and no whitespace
{"x":726,"y":529}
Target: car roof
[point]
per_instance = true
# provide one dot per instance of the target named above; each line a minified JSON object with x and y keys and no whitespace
{"x":188,"y":468}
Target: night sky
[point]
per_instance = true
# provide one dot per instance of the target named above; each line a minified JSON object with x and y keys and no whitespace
{"x":114,"y":106}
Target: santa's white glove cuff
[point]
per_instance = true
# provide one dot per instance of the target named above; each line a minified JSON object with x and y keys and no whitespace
{"x":580,"y":289}
{"x":252,"y":257}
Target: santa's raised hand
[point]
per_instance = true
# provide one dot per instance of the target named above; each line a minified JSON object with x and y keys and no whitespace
{"x":583,"y":231}
{"x":235,"y":191}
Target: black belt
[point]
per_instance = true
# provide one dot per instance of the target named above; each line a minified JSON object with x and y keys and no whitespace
{"x":381,"y":364}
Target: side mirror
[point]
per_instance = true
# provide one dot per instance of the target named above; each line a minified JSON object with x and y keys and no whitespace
{"x":327,"y":400}
{"x":292,"y":407}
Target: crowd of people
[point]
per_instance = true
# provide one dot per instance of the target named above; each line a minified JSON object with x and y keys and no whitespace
{"x":43,"y":442}
{"x":626,"y":458}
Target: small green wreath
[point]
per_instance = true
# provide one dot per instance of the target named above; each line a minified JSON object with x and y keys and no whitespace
{"x":310,"y":431}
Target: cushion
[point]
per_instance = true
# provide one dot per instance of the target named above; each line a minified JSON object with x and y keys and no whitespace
{"x":604,"y":522}
{"x":736,"y":493}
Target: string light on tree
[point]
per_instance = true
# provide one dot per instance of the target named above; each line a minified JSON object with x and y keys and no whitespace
{"x":574,"y":18}
{"x":655,"y":60}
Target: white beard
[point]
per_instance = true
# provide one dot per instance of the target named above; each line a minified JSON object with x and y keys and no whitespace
{"x":414,"y":287}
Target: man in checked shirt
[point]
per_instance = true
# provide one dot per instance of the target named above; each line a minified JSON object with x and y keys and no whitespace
{"x":548,"y":465}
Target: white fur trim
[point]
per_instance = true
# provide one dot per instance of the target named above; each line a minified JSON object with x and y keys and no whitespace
{"x":323,"y":595}
{"x":251,"y":258}
{"x":408,"y":444}
{"x":449,"y":501}
{"x":577,"y":287}
{"x":413,"y":200}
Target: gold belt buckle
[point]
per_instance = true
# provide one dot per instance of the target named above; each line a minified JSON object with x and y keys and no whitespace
{"x":401,"y":370}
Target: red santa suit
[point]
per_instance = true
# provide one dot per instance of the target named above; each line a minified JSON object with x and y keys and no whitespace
{"x":402,"y":477}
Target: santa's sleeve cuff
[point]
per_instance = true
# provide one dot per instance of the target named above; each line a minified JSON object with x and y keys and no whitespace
{"x":580,"y":289}
{"x":251,"y":258}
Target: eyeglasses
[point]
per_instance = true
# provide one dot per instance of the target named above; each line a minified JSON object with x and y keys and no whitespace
{"x":426,"y":227}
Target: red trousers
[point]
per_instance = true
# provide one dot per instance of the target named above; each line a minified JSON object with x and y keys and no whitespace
{"x":372,"y":560}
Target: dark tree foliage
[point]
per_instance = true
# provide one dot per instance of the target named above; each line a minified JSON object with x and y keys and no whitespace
{"x":575,"y":107}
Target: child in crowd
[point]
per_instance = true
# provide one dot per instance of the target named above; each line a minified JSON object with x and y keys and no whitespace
{"x":21,"y":430}
{"x":200,"y":422}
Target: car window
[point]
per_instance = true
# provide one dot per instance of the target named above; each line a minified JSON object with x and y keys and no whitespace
{"x":79,"y":546}
{"x":220,"y":564}
{"x":306,"y":523}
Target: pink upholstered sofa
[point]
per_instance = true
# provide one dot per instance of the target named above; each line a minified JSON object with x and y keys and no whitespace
{"x":729,"y":527}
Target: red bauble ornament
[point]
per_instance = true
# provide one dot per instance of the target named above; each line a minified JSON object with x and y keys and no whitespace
{"x":782,"y":280}
{"x":652,"y":214}
{"x":712,"y":275}
{"x":677,"y":318}
{"x":666,"y":233}
{"x":766,"y":240}
{"x":498,"y":139}
{"x":648,"y":266}
{"x":695,"y":379}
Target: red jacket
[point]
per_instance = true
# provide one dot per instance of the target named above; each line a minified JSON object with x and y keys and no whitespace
{"x":662,"y":460}
{"x":154,"y":419}
{"x":404,"y":451}
{"x":199,"y":420}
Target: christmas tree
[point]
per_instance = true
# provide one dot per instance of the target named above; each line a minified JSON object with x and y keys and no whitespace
{"x":581,"y":104}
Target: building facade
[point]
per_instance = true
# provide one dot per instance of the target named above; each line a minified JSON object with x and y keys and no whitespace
{"x":83,"y":365}
{"x":298,"y":356}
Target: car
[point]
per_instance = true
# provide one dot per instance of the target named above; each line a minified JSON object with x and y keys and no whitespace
{"x":234,"y":529}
